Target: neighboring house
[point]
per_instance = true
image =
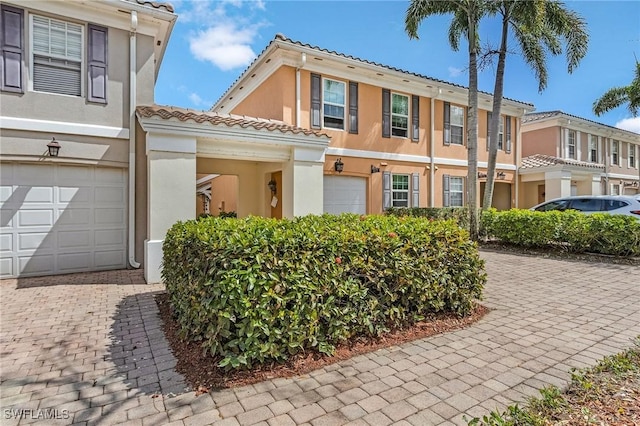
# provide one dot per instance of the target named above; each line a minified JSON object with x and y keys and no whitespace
{"x":74,"y":71}
{"x":567,"y":155}
{"x":397,"y":138}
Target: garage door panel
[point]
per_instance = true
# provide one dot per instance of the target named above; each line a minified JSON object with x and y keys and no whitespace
{"x":43,"y":217}
{"x":5,"y":192}
{"x":108,"y":259}
{"x":6,"y":218}
{"x":68,"y":194}
{"x":74,"y":239}
{"x":345,"y":194}
{"x":109,"y":237}
{"x":38,"y":264}
{"x":38,"y":195}
{"x":109,"y":216}
{"x":34,"y":241}
{"x":61,"y":218}
{"x":106,"y":194}
{"x":6,"y":242}
{"x":6,"y":267}
{"x":74,"y":217}
{"x":109,"y":175}
{"x":74,"y":262}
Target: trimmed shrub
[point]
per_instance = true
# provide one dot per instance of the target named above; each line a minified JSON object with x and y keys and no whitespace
{"x":459,"y":214}
{"x":255,"y":290}
{"x":617,"y":235}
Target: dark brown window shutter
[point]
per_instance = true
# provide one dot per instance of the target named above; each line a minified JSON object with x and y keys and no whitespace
{"x":507,"y":130}
{"x":386,"y":113}
{"x":415,"y":118}
{"x":315,"y":101}
{"x":489,"y":115}
{"x":353,"y":107}
{"x":12,"y":42}
{"x":97,"y":55}
{"x":447,"y":124}
{"x":446,"y":199}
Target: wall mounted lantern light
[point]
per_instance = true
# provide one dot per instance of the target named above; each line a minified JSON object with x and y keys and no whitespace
{"x":273,"y":186}
{"x":54,"y":148}
{"x":338,"y":165}
{"x":375,"y":169}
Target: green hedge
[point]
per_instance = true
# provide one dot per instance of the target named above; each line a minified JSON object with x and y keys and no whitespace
{"x":255,"y":290}
{"x":458,"y":214}
{"x":597,"y":233}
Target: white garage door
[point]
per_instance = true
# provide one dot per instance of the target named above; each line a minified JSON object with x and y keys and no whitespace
{"x":345,"y":194}
{"x":58,"y":219}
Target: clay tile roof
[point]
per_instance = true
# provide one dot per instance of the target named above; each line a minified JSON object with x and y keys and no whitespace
{"x":155,"y":4}
{"x":230,"y":120}
{"x":540,"y":160}
{"x":283,"y":38}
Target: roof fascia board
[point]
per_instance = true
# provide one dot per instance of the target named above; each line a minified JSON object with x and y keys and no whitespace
{"x":582,"y":125}
{"x":235,"y":133}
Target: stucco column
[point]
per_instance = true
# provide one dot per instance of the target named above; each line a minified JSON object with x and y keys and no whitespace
{"x":303,"y":183}
{"x":596,"y":185}
{"x":171,"y":192}
{"x":557,"y":184}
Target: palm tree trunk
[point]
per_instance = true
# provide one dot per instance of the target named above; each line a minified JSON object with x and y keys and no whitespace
{"x":494,"y":125}
{"x":472,"y":130}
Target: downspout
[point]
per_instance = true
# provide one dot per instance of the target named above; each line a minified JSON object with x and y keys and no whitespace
{"x":303,"y":61}
{"x":432,"y":153}
{"x":132,"y":139}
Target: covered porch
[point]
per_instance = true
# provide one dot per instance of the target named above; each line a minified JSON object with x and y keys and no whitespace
{"x":278,"y":169}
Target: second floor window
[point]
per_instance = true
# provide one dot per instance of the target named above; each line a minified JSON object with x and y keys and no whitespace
{"x":615,"y":153}
{"x":333,"y":98}
{"x":453,"y":124}
{"x":501,"y":134}
{"x":593,"y":148}
{"x":632,"y":156}
{"x":399,"y":115}
{"x":571,"y":144}
{"x":57,"y":56}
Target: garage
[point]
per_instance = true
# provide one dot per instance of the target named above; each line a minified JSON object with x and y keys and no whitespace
{"x":345,"y":194}
{"x":58,"y":219}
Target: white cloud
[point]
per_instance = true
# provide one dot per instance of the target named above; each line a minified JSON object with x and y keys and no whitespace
{"x":455,"y":72}
{"x":630,"y":124}
{"x":227,"y":30}
{"x":197,"y":101}
{"x":224,"y":45}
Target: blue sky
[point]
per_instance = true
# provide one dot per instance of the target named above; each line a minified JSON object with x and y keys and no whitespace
{"x":214,"y":41}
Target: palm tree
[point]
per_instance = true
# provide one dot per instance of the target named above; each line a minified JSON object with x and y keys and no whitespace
{"x":617,"y":96}
{"x":539,"y":27}
{"x":466,"y":17}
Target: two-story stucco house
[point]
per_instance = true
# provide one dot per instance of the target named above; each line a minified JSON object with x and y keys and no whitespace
{"x":567,"y":155}
{"x":74,"y":71}
{"x":397,"y":138}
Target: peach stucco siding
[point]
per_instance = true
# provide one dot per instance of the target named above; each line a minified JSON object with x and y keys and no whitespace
{"x":542,"y":141}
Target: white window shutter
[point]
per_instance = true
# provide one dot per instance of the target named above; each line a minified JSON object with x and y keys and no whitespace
{"x":415,"y":190}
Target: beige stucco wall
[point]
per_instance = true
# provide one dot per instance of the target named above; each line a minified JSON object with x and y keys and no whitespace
{"x":224,"y":194}
{"x":272,"y":98}
{"x":542,"y":141}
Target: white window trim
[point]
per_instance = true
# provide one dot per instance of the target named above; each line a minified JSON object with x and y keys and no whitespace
{"x":408,"y":116}
{"x":613,"y":187}
{"x":407,"y":191}
{"x":569,"y":145}
{"x":615,"y":153}
{"x":593,"y":143}
{"x":501,"y":133}
{"x":323,"y":102}
{"x":31,"y":62}
{"x":630,"y":164}
{"x":451,"y":125}
{"x":451,"y":191}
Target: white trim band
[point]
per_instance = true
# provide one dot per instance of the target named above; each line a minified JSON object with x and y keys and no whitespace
{"x":45,"y":126}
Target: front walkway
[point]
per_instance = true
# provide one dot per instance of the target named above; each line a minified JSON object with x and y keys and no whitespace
{"x":89,"y":349}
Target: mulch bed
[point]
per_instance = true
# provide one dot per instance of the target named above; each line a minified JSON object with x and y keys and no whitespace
{"x":202,"y":373}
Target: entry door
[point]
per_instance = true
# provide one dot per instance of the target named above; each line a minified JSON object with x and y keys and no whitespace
{"x":276,"y":198}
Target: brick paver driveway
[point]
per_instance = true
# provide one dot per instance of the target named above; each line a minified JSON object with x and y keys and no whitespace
{"x":89,"y":349}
